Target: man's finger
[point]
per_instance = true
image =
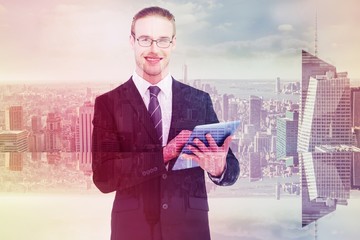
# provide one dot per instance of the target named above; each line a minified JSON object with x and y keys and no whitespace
{"x":211,"y":141}
{"x":199,"y":144}
{"x":198,"y":153}
{"x":227,"y":142}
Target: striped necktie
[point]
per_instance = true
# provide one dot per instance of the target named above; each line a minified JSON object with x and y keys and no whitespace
{"x":155,"y":110}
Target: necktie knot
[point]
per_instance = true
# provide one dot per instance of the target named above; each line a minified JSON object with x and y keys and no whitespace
{"x":154,"y":90}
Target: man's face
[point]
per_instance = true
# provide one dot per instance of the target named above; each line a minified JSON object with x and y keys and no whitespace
{"x":152,"y":63}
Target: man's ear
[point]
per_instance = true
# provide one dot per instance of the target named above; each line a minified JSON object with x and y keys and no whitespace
{"x":174,"y":43}
{"x":132,"y":41}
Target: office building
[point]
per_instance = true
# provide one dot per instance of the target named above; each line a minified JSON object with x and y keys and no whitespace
{"x":13,"y":144}
{"x":328,"y":174}
{"x":13,"y":141}
{"x":36,"y":125}
{"x":86,"y":115}
{"x":226,"y":99}
{"x":255,"y":172}
{"x":325,"y":180}
{"x":262,"y":142}
{"x":233,"y":110}
{"x":53,"y":134}
{"x":355,"y":106}
{"x":277,"y":85}
{"x":311,"y":66}
{"x":326,"y":112}
{"x":14,"y":118}
{"x":255,"y":104}
{"x":287,"y":134}
{"x":355,"y":114}
{"x":355,"y":171}
{"x":185,"y":74}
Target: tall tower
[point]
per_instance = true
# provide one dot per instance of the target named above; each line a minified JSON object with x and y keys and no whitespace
{"x":287,"y":133}
{"x":325,"y":105}
{"x":14,"y":118}
{"x":311,"y":66}
{"x":36,"y":124}
{"x":277,"y":85}
{"x":185,"y":73}
{"x":316,"y":35}
{"x":226,"y":107}
{"x":53,"y":134}
{"x":355,"y":106}
{"x":255,"y":111}
{"x":86,"y":115}
{"x":326,"y":116}
{"x":355,"y":114}
{"x":325,"y":182}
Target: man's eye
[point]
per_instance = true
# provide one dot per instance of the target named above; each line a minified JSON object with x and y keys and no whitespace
{"x":145,"y":40}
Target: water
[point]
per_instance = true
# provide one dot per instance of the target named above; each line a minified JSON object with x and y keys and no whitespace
{"x":244,"y":88}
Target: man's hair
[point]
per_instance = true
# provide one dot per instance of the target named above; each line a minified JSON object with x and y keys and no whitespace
{"x":153,"y":11}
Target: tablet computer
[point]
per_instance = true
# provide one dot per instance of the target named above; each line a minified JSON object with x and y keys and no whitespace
{"x":219,"y":131}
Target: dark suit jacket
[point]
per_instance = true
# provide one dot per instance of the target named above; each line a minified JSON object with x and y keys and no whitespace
{"x":151,"y":202}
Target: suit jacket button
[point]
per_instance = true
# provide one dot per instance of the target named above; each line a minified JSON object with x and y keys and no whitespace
{"x":165,"y":206}
{"x":164,"y":176}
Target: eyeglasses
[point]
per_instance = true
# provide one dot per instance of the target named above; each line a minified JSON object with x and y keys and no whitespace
{"x":147,"y":41}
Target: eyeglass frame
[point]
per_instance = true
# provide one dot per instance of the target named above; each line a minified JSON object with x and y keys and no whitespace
{"x":152,"y":41}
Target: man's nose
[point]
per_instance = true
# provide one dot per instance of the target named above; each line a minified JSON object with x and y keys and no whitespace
{"x":154,"y":48}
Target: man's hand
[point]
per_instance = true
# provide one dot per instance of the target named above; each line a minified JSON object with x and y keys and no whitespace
{"x":213,"y":158}
{"x":173,"y":148}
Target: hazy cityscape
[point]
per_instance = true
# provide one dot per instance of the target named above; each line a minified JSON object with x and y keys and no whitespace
{"x":297,"y":139}
{"x":51,"y":126}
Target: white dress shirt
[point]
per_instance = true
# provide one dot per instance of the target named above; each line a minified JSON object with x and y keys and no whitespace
{"x":164,"y":98}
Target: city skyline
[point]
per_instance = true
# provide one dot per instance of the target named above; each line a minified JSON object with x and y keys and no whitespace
{"x":65,"y":169}
{"x":46,"y":123}
{"x":67,"y":41}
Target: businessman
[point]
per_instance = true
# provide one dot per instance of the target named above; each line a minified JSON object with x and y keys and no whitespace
{"x":140,"y":128}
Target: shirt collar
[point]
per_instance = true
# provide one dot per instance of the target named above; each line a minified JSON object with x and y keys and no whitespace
{"x":142,"y":85}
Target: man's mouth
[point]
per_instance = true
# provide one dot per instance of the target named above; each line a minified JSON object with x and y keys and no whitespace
{"x":151,"y":59}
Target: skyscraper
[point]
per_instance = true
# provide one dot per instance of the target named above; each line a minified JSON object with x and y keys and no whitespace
{"x":325,"y":105}
{"x":86,"y":114}
{"x":14,"y":118}
{"x":355,"y":114}
{"x":355,"y":171}
{"x":355,"y":107}
{"x":255,"y":111}
{"x":225,"y":107}
{"x":277,"y":85}
{"x":311,"y":66}
{"x":53,"y":134}
{"x":325,"y":182}
{"x":287,"y":133}
{"x":185,"y":74}
{"x":13,"y":141}
{"x":324,"y":123}
{"x":14,"y":144}
{"x":36,"y":124}
{"x":262,"y":142}
{"x":254,"y":166}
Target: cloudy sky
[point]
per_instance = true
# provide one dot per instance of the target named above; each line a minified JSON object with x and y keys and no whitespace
{"x":87,"y":40}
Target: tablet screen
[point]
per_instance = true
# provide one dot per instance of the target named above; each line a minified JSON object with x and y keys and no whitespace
{"x":219,"y":131}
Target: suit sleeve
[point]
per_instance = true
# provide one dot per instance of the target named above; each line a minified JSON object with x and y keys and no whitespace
{"x":232,"y":168}
{"x":116,"y":167}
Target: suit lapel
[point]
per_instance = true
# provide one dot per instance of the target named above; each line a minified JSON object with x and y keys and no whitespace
{"x":180,"y":100}
{"x":133,"y":96}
